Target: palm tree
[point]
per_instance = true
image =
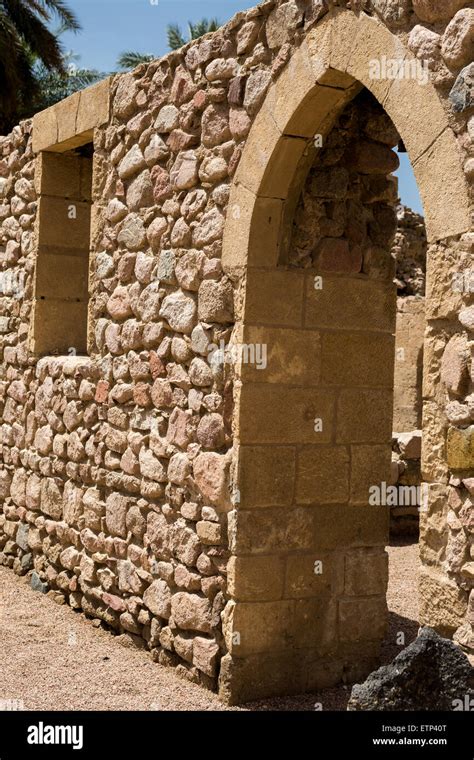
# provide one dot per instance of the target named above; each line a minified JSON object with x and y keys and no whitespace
{"x":24,"y":39}
{"x":175,"y":36}
{"x":130,"y":59}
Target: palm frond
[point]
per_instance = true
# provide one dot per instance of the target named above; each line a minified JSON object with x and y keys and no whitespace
{"x":34,"y":33}
{"x":202,"y":27}
{"x":129,"y":59}
{"x":10,"y":81}
{"x":27,"y":45}
{"x":175,"y":37}
{"x":59,"y":8}
{"x":214,"y":25}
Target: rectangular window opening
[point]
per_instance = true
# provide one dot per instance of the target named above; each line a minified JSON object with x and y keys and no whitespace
{"x":61,"y":297}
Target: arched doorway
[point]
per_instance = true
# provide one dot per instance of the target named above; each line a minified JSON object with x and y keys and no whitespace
{"x":313,"y":429}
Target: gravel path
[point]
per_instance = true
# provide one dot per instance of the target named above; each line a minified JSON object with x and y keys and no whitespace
{"x":52,"y":658}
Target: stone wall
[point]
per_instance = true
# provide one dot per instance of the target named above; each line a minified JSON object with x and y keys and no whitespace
{"x":407,"y":500}
{"x":410,"y":330}
{"x":124,"y":482}
{"x":409,"y":249}
{"x":111,"y":490}
{"x":345,"y":220}
{"x":408,"y":404}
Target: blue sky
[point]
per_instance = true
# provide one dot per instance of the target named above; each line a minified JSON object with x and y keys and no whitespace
{"x":407,"y":187}
{"x":111,"y":26}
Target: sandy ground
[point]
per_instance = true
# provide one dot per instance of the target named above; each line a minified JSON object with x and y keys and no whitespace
{"x":52,"y":658}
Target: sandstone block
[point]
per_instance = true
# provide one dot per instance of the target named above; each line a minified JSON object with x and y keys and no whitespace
{"x":362,"y":619}
{"x":322,"y":475}
{"x":256,"y":578}
{"x":365,"y":572}
{"x":443,"y":604}
{"x":266,"y":475}
{"x":460,"y":448}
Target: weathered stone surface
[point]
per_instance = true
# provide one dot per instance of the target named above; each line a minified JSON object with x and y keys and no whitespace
{"x":211,"y":432}
{"x":51,"y":499}
{"x":205,"y":655}
{"x":118,"y":305}
{"x":125,"y":95}
{"x":37,"y":584}
{"x":155,"y":232}
{"x":140,"y":192}
{"x":211,"y":475}
{"x":191,"y":612}
{"x":255,"y":90}
{"x":155,"y":150}
{"x":221,"y":68}
{"x":209,"y":229}
{"x":161,"y":182}
{"x":151,"y":467}
{"x":247,"y":36}
{"x":167,"y":119}
{"x":215,"y":125}
{"x":460,"y":448}
{"x":466,"y":318}
{"x":454,"y":365}
{"x":282,"y":22}
{"x":179,"y":310}
{"x":132,"y":163}
{"x":425,"y":44}
{"x":458,"y":39}
{"x":430,"y":674}
{"x":21,"y":537}
{"x":157,"y":598}
{"x":462,"y":93}
{"x":215,"y":302}
{"x":116,"y":507}
{"x":436,"y":10}
{"x":394,"y":12}
{"x":184,"y":173}
{"x":132,"y":234}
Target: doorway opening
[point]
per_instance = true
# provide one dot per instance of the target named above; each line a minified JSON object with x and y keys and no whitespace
{"x":322,"y":413}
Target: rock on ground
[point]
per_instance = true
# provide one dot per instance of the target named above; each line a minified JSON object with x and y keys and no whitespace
{"x":432,"y":673}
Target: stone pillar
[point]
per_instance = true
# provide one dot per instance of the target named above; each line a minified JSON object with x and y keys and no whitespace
{"x":448,"y":441}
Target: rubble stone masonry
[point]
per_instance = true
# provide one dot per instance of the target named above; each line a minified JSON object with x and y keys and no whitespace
{"x":211,"y":505}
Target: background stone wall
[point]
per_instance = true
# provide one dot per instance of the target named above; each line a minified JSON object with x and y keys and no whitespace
{"x":408,"y":405}
{"x":410,"y":251}
{"x":409,"y":363}
{"x":115,"y":477}
{"x":346,"y":219}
